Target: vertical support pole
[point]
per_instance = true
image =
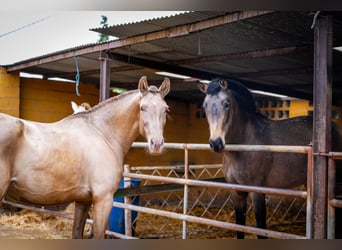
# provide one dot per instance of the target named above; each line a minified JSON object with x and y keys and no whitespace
{"x":322,"y":123}
{"x":309,"y":195}
{"x":127,"y":200}
{"x":186,"y":189}
{"x":104,"y":76}
{"x":331,"y":195}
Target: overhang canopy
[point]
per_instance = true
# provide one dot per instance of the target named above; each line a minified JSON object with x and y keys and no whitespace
{"x":269,"y":51}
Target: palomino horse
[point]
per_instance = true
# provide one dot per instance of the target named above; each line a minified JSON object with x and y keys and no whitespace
{"x":234,"y":119}
{"x":80,"y":108}
{"x":80,"y":158}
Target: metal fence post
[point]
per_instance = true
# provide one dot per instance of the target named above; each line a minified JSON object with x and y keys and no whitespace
{"x":309,"y":188}
{"x":186,"y":188}
{"x":331,"y":195}
{"x":127,"y":200}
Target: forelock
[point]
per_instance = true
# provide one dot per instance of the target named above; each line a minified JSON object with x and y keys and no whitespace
{"x":153,"y":89}
{"x":214,"y":87}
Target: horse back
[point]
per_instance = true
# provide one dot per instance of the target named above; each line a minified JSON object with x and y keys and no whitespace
{"x":294,"y":131}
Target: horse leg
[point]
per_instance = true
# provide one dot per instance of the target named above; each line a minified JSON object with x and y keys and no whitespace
{"x":240,"y":206}
{"x":80,"y":217}
{"x":102,"y":207}
{"x":5,"y":178}
{"x":259,"y":204}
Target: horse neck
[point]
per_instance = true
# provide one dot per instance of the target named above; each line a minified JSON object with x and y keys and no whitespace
{"x":244,"y":127}
{"x":117,"y":119}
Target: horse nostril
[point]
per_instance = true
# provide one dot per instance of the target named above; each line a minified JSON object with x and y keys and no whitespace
{"x":211,"y":143}
{"x":216,"y":145}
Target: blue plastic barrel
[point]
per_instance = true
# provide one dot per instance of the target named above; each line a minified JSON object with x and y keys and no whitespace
{"x":117,"y":215}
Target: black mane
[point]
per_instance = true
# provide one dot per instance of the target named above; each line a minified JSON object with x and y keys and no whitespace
{"x":242,"y":95}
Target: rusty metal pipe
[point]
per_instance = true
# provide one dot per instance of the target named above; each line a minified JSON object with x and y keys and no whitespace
{"x":271,"y":191}
{"x":232,"y":147}
{"x":210,"y":222}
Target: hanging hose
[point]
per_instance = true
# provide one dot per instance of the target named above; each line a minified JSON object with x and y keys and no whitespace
{"x":77,"y":77}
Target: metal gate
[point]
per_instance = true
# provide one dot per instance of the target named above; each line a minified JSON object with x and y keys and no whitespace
{"x":188,"y":180}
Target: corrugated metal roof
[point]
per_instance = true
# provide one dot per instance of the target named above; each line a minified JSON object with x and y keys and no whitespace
{"x":266,"y":51}
{"x":156,"y":24}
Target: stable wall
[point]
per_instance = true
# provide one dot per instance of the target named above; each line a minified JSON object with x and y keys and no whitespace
{"x":49,"y":101}
{"x":9,"y":93}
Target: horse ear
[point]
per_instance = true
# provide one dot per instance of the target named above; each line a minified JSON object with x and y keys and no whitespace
{"x":74,"y":106}
{"x":143,"y":85}
{"x":202,"y":87}
{"x":224,"y":84}
{"x":164,"y":88}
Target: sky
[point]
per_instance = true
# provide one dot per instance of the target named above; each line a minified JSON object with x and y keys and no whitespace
{"x":28,"y":34}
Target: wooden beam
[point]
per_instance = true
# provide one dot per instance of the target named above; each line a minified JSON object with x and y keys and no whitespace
{"x":244,"y":55}
{"x":104,"y":76}
{"x":95,"y":71}
{"x":178,"y":31}
{"x":205,"y":75}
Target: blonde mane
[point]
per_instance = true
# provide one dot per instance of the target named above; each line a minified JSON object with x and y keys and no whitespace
{"x":104,"y":103}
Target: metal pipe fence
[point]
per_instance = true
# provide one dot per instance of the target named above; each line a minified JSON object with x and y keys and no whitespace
{"x":333,"y":201}
{"x":189,"y":183}
{"x":225,"y":186}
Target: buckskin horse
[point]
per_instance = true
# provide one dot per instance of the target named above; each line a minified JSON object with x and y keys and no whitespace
{"x":233,"y":119}
{"x":80,"y":158}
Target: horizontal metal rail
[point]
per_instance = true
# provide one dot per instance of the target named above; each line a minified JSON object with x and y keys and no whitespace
{"x":156,"y":188}
{"x":208,"y":184}
{"x":40,"y":209}
{"x":336,"y":203}
{"x":175,"y":167}
{"x":333,"y":155}
{"x":233,"y":147}
{"x":220,"y":224}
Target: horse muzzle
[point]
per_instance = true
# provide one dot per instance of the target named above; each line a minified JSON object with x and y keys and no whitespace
{"x":156,"y":146}
{"x":216,"y":145}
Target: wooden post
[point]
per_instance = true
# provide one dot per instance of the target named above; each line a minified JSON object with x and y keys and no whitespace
{"x":104,"y":76}
{"x":322,"y":124}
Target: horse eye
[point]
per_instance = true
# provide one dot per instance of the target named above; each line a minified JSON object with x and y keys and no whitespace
{"x":143,"y":108}
{"x":226,"y":105}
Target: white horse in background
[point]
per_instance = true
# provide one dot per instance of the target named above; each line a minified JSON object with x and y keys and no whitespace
{"x":80,"y":108}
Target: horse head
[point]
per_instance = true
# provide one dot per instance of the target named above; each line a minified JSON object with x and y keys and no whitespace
{"x":216,"y":106}
{"x":227,"y":102}
{"x":153,"y":112}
